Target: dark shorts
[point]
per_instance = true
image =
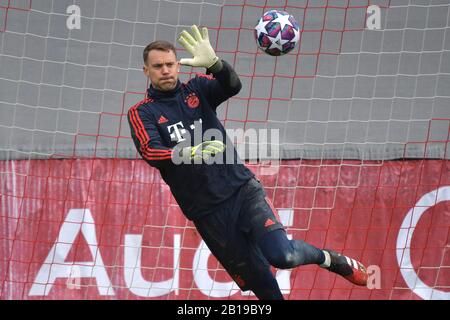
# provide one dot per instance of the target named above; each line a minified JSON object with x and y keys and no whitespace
{"x":232,"y":232}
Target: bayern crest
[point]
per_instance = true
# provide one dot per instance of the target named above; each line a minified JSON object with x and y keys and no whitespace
{"x":277,"y":32}
{"x":192,"y":101}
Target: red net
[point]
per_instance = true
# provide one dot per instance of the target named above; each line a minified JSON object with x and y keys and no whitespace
{"x":108,"y":228}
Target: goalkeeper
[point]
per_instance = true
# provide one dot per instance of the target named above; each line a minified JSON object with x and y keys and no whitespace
{"x":227,"y":205}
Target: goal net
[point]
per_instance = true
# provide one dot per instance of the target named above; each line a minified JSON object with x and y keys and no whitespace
{"x":357,"y":118}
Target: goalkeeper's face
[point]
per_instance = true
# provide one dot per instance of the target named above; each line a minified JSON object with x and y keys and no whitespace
{"x":162,"y":68}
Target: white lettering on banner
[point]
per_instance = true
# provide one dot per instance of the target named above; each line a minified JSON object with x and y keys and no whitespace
{"x":404,"y":245}
{"x":202,"y":279}
{"x":133,"y":275}
{"x":55,"y":265}
{"x":74,"y":279}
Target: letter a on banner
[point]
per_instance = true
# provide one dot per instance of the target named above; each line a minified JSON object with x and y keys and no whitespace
{"x":55,"y":265}
{"x":134,"y":278}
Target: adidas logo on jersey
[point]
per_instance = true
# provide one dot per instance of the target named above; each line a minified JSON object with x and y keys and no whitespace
{"x":162,"y":120}
{"x":269,"y":222}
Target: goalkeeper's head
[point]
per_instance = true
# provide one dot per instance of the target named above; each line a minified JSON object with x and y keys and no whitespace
{"x":161,"y":65}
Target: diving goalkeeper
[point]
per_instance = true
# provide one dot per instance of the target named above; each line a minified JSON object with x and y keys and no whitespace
{"x":225,"y":201}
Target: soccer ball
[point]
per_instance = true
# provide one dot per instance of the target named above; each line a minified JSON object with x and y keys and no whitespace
{"x":277,"y":32}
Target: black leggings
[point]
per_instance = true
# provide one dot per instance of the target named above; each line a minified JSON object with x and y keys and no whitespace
{"x":283,"y":253}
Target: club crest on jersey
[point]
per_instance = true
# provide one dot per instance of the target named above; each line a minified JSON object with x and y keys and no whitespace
{"x":192,"y":101}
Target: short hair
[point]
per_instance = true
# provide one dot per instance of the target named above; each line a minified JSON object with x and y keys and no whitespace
{"x":158,"y":45}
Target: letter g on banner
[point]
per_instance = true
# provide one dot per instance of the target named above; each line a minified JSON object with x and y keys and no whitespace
{"x":404,"y":244}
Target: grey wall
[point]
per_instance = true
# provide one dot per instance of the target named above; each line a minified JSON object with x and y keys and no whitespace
{"x":344,"y":92}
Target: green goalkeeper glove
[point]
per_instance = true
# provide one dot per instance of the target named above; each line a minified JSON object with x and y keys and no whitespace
{"x":204,"y":150}
{"x":200,"y":48}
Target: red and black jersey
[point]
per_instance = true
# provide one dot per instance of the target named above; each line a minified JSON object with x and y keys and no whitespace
{"x":162,"y":121}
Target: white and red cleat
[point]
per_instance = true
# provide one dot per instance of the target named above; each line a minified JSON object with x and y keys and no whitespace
{"x":352,"y":270}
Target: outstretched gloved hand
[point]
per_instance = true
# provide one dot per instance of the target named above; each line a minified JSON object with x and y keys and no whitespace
{"x":199,"y":46}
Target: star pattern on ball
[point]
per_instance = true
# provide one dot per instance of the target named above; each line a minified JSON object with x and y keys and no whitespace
{"x":283,"y":20}
{"x":277,"y":42}
{"x":261,"y":27}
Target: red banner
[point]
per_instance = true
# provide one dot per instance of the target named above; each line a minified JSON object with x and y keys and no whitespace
{"x":110,"y":229}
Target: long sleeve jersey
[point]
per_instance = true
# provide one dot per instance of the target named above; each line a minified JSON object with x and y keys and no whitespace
{"x":161,"y":121}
